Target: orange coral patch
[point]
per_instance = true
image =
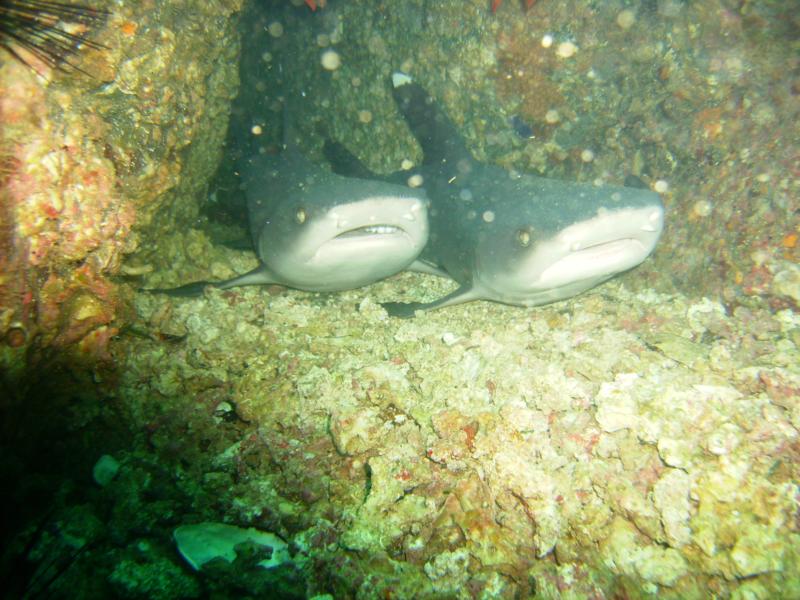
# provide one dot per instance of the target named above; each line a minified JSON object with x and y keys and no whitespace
{"x":129,"y":28}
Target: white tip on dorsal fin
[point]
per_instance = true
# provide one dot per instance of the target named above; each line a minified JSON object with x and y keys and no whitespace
{"x":399,"y":78}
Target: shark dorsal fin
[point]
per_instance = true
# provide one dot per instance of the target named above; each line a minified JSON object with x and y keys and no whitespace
{"x":433,"y":129}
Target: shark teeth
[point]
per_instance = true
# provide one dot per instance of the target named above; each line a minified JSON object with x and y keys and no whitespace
{"x":380,"y":229}
{"x":371,"y":230}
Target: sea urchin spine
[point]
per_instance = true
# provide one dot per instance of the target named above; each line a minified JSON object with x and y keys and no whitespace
{"x":49,"y":32}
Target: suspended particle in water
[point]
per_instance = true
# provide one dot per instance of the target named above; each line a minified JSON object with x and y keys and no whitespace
{"x":626,"y":19}
{"x":331,"y":60}
{"x":552,"y":117}
{"x":415,"y":181}
{"x":661,"y":186}
{"x":566,"y":50}
{"x":702,"y":208}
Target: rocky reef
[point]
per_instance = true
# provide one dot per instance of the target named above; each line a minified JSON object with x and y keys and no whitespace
{"x":102,"y":159}
{"x":620,"y":443}
{"x":637,"y":441}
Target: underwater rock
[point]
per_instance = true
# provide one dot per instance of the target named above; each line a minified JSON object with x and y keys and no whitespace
{"x":92,"y":152}
{"x":759,"y":549}
{"x":787,"y":281}
{"x":510,"y":445}
{"x":616,"y":405}
{"x":451,"y":453}
{"x":675,"y":452}
{"x":449,"y":571}
{"x":156,"y":578}
{"x":355,"y":432}
{"x":671,"y":498}
{"x":105,"y":469}
{"x":203,"y":542}
{"x":626,"y":553}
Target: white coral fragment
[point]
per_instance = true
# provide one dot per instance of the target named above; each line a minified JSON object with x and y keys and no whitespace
{"x":671,"y":497}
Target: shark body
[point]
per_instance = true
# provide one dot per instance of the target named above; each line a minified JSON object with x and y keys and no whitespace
{"x":520,"y":240}
{"x":318,"y":231}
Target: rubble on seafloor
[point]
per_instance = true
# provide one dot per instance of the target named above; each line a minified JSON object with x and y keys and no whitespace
{"x":620,"y":440}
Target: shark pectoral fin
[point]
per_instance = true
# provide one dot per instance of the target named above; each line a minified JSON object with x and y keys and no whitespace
{"x":258,"y":276}
{"x":190,"y":290}
{"x":406,"y":310}
{"x":261,"y":275}
{"x":242,"y":243}
{"x":403,"y":310}
{"x":420,"y":266}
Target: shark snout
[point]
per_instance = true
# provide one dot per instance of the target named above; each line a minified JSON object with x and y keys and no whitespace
{"x":636,"y":224}
{"x":611,"y":242}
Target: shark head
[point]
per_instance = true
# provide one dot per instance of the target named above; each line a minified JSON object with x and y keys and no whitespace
{"x":564,"y":239}
{"x":344,"y":234}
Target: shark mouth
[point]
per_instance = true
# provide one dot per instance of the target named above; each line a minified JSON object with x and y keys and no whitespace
{"x":603,"y":259}
{"x":370,"y":230}
{"x":609,"y":251}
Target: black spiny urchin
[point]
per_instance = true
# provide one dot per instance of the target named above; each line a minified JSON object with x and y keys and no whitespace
{"x":50,"y":32}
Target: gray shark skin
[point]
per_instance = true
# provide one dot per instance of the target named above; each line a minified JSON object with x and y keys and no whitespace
{"x":519,"y":240}
{"x":317,"y":231}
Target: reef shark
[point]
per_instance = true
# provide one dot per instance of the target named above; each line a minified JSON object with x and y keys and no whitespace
{"x":521,"y":240}
{"x":318,"y":231}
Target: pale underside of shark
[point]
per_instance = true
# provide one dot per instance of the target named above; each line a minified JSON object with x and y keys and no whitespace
{"x":317,"y":231}
{"x":519,"y":240}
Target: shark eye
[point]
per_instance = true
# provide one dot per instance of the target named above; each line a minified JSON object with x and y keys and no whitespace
{"x":524,"y":236}
{"x":300,"y":216}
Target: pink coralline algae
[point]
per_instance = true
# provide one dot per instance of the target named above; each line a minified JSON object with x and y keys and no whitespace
{"x":65,"y":227}
{"x":89,"y":157}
